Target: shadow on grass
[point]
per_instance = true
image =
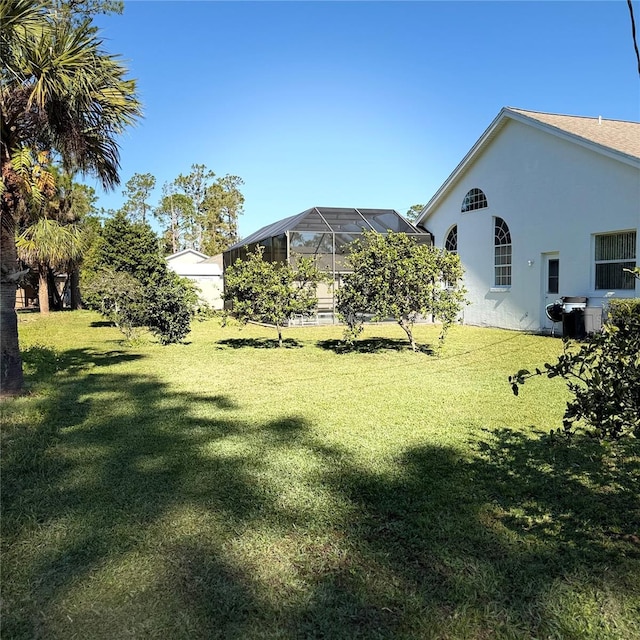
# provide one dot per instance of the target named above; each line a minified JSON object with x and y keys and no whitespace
{"x":130,"y":508}
{"x":101,"y":323}
{"x":259,"y":343}
{"x":372,"y":345}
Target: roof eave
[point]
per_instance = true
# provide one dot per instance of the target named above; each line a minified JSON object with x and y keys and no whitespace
{"x":492,"y":130}
{"x":489,"y":134}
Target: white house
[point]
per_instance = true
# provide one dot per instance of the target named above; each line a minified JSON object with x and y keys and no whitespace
{"x":543,"y":206}
{"x":205,"y":272}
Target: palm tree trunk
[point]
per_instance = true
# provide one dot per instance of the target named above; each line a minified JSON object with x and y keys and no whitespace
{"x":43,"y":289}
{"x":11,"y":378}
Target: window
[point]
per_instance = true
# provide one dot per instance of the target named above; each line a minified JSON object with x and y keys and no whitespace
{"x":614,"y":253}
{"x":553,"y":275}
{"x":451,"y":243}
{"x":502,"y":253}
{"x":475,"y":199}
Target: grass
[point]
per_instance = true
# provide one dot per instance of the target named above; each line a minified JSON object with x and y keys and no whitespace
{"x":228,"y":489}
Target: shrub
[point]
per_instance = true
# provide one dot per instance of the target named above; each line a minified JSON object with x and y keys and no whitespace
{"x":603,"y":374}
{"x":170,"y":303}
{"x":118,"y":296}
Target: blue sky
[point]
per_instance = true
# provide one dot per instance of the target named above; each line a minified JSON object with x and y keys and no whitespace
{"x":364,"y":104}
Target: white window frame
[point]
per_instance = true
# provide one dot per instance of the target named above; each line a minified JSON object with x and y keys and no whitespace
{"x":626,"y":260}
{"x":504,"y":268}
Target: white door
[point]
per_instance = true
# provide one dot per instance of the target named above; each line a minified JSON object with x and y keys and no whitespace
{"x":550,"y":286}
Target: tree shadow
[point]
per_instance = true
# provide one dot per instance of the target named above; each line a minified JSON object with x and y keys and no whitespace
{"x":372,"y":345}
{"x":493,"y":535}
{"x":101,"y":323}
{"x":118,"y":470}
{"x":259,"y":343}
{"x":111,"y":458}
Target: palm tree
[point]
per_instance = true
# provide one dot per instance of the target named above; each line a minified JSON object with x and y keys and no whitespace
{"x":48,"y":246}
{"x":61,"y":94}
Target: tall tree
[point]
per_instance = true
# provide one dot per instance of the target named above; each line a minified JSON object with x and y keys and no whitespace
{"x":137,"y":191}
{"x":195,"y":185}
{"x":210,"y":225}
{"x":131,"y":247}
{"x":174,"y":212}
{"x":60,"y":92}
{"x":224,"y":205}
{"x":70,"y":205}
{"x":413,"y":212}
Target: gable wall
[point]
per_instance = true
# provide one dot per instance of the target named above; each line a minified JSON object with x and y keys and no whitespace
{"x":553,"y":194}
{"x":189,"y":257}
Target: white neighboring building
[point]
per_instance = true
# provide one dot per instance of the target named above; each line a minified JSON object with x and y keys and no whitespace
{"x":205,"y":274}
{"x":543,"y":206}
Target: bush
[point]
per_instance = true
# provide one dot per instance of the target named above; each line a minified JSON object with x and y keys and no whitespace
{"x":603,"y":374}
{"x":118,"y":296}
{"x":170,"y":303}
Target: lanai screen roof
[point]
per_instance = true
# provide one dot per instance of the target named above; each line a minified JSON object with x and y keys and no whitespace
{"x":334,"y":220}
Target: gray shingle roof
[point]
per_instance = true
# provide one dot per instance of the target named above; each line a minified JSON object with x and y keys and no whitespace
{"x":619,"y":135}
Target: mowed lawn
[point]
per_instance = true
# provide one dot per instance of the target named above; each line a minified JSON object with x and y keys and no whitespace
{"x":225,"y":488}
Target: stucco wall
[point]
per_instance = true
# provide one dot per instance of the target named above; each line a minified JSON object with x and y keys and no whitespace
{"x":211,"y":289}
{"x":206,"y":275}
{"x":554,"y":195}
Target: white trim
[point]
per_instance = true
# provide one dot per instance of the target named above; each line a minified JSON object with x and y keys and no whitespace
{"x":492,"y":131}
{"x":199,"y":254}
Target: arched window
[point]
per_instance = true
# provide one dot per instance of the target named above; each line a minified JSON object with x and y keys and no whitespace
{"x":502,"y":253}
{"x":451,"y":243}
{"x":475,"y":199}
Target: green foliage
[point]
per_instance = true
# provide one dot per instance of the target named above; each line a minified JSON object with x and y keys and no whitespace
{"x":47,"y":243}
{"x":174,"y":212}
{"x":622,"y":311}
{"x":119,"y":297}
{"x":160,"y":300}
{"x":224,"y":204}
{"x":131,"y":247}
{"x":395,"y":277}
{"x":209,"y":223}
{"x":170,"y":303}
{"x":413,"y":212}
{"x":271,"y":292}
{"x":603,"y":374}
{"x":137,"y":191}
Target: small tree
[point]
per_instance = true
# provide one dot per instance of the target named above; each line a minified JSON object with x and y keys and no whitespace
{"x":119,"y":297}
{"x":271,"y":292}
{"x":395,"y":277}
{"x":170,"y":303}
{"x":602,"y":373}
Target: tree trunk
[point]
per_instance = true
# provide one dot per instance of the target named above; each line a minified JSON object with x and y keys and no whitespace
{"x":76,"y":298}
{"x":43,"y":289}
{"x":407,"y":329}
{"x":279,"y":335}
{"x":11,"y":378}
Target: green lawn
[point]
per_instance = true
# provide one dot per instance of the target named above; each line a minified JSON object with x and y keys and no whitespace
{"x":228,"y":489}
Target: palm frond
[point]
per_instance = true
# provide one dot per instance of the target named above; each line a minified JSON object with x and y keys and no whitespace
{"x":47,"y":242}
